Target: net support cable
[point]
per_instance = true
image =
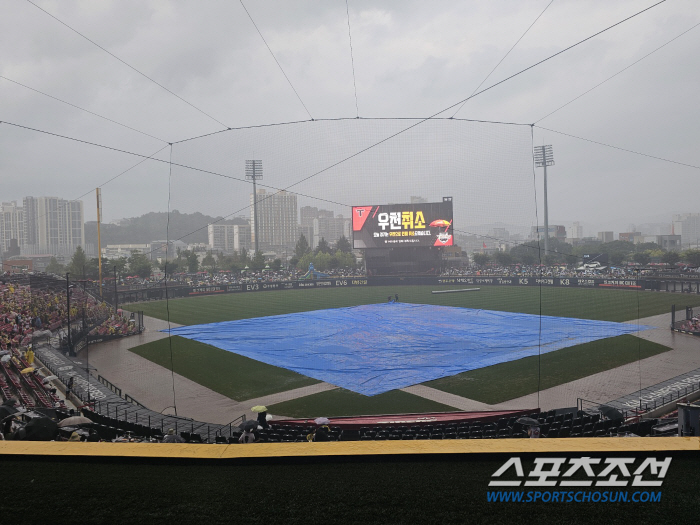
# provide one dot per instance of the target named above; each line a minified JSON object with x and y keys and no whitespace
{"x":81,"y":108}
{"x":275,"y":59}
{"x":128,"y":65}
{"x":618,"y":73}
{"x":505,"y":56}
{"x":352,"y":60}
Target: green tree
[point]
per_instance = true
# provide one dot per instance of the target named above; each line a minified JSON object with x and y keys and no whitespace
{"x":193,"y":262}
{"x":503,"y":258}
{"x":304,"y":262}
{"x":78,"y":264}
{"x":139,"y":265}
{"x":658,"y":255}
{"x":258,"y":262}
{"x":323,"y":246}
{"x":209,"y":262}
{"x":642,"y":258}
{"x":276,"y":265}
{"x":92,"y":269}
{"x":345,"y":259}
{"x":526,"y":253}
{"x":692,"y":257}
{"x":302,"y":247}
{"x":481,"y":259}
{"x":55,"y":268}
{"x":120,"y":263}
{"x":644,"y":246}
{"x":343,"y":245}
{"x":168,"y":267}
{"x":322,"y":261}
{"x":293,"y":262}
{"x":671,"y":257}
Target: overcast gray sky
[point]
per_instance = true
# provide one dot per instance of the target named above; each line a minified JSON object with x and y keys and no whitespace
{"x":412,"y":59}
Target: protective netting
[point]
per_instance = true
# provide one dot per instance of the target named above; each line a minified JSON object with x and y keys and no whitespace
{"x":544,"y":354}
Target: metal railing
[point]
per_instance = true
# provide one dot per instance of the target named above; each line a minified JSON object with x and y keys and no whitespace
{"x":242,"y":420}
{"x":679,"y":394}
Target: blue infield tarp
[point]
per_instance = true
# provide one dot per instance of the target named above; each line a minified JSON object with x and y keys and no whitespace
{"x":372,"y":349}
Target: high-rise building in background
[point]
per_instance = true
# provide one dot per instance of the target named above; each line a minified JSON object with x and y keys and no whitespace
{"x":11,"y":225}
{"x":277,"y":219}
{"x":606,"y":236}
{"x":687,"y":225}
{"x":331,"y":229}
{"x":576,"y":232}
{"x":53,"y":225}
{"x":556,"y":231}
{"x":229,"y":238}
{"x":322,"y":224}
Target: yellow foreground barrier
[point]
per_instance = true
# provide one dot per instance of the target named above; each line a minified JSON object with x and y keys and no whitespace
{"x":348,"y":448}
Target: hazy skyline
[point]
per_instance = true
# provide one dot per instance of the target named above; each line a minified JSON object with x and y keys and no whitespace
{"x":411,"y":59}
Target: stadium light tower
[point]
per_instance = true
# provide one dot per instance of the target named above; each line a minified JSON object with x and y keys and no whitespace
{"x":253,"y":171}
{"x":543,"y":158}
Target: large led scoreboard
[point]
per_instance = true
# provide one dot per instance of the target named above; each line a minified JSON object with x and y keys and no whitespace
{"x":403,"y":225}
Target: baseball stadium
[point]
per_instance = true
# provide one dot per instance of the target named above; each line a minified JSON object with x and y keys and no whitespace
{"x":349,"y":320}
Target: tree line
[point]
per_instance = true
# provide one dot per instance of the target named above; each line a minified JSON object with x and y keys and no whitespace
{"x":562,"y":253}
{"x":324,"y":257}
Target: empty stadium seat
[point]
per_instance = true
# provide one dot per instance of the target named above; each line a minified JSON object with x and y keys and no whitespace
{"x":350,"y":435}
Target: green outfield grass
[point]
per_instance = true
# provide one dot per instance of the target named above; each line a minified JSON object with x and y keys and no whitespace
{"x":229,"y":374}
{"x":242,"y":378}
{"x":607,"y":305}
{"x":341,"y":402}
{"x":505,"y":381}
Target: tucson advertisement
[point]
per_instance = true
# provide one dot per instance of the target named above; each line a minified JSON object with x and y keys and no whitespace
{"x":402,"y":225}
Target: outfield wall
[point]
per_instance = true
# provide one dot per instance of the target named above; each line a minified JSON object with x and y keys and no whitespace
{"x":657,"y":284}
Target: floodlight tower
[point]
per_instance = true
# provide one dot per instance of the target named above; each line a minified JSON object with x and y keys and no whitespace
{"x":253,"y":171}
{"x":543,"y":158}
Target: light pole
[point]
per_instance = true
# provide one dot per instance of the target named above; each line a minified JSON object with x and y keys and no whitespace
{"x":86,"y":332}
{"x":543,"y":158}
{"x":70,"y":345}
{"x":115,"y":291}
{"x":253,"y":171}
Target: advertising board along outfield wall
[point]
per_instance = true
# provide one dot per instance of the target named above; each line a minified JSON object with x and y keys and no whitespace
{"x":159,"y":293}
